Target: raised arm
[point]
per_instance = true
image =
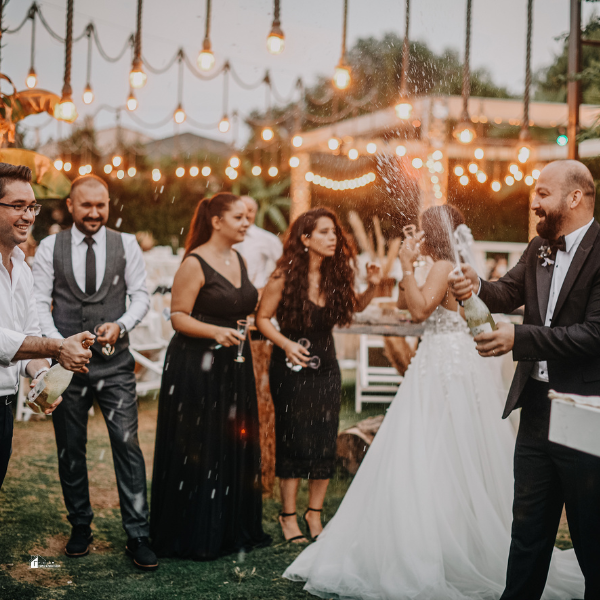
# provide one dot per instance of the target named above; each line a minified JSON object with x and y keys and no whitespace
{"x":188,"y":281}
{"x":267,"y":308}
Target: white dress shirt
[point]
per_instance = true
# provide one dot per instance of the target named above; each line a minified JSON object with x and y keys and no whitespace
{"x":18,"y":319}
{"x":262,"y":250}
{"x":562,"y":263}
{"x":135,"y":276}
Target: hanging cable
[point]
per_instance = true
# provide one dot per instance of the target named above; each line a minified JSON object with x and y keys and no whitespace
{"x":276,"y":39}
{"x":66,"y":111}
{"x":341,"y":77}
{"x":88,"y":94}
{"x":179,"y":115}
{"x":405,"y":54}
{"x":527,"y":91}
{"x":464,"y":132}
{"x":129,"y":43}
{"x":206,"y":57}
{"x":160,"y":71}
{"x":31,"y":80}
{"x":137,"y":77}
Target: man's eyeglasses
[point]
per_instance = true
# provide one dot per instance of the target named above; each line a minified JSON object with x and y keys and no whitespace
{"x":34,"y":208}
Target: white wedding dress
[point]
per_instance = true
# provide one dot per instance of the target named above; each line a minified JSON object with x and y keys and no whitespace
{"x":428,"y":515}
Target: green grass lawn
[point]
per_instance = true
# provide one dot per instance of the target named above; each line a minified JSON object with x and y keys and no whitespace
{"x":33,"y":521}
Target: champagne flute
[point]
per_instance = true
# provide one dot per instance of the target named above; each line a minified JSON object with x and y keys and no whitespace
{"x":305,"y":343}
{"x":242,"y":328}
{"x":410,"y":232}
{"x":107,"y":349}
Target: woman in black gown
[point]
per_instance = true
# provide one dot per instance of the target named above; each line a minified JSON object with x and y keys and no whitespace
{"x":310,"y":292}
{"x":206,"y":485}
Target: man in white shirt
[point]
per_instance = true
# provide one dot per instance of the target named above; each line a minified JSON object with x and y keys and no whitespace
{"x":260,"y":248}
{"x":22,"y":349}
{"x":558,"y":347}
{"x":83,"y":277}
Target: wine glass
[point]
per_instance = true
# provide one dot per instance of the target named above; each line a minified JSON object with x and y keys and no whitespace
{"x":242,"y":328}
{"x":305,"y":343}
{"x":107,"y":349}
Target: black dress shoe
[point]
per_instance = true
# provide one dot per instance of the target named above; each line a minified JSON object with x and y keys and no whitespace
{"x":143,"y":556}
{"x":78,"y":544}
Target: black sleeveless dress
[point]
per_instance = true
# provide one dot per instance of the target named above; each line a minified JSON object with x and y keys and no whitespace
{"x":206,"y":484}
{"x":307,"y":404}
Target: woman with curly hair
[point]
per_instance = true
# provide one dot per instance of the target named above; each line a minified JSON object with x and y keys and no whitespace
{"x":311,"y":290}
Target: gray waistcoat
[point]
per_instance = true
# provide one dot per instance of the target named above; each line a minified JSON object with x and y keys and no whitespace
{"x":73,"y":310}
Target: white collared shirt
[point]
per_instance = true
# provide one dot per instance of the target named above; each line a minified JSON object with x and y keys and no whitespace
{"x":18,"y":319}
{"x":135,"y":276}
{"x":262,"y":250}
{"x":562,"y":263}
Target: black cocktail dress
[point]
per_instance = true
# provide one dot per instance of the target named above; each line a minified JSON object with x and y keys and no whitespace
{"x":307,"y":404}
{"x":206,"y":485}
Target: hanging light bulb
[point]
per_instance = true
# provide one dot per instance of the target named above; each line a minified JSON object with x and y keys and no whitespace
{"x":509,"y":180}
{"x":88,"y":95}
{"x":403,"y":109}
{"x":206,"y":171}
{"x":333,"y":143}
{"x":417,"y":163}
{"x":464,"y":180}
{"x":273,"y":171}
{"x":267,"y":134}
{"x":473,"y":167}
{"x":65,"y":110}
{"x":464,"y":132}
{"x":400,"y":150}
{"x":496,"y":185}
{"x":481,"y":177}
{"x":341,"y":76}
{"x":353,"y":154}
{"x":137,"y":77}
{"x":479,"y":154}
{"x":297,"y":141}
{"x":117,"y":160}
{"x":180,"y":171}
{"x":194,"y":171}
{"x":524,"y":154}
{"x":275,"y":41}
{"x":120,"y":173}
{"x":108,"y":168}
{"x":132,"y":102}
{"x":206,"y":58}
{"x":58,"y":164}
{"x":156,"y":175}
{"x":294,"y":162}
{"x":224,"y":124}
{"x":31,"y":80}
{"x":234,"y":161}
{"x":131,"y":171}
{"x":458,"y":171}
{"x":371,"y":147}
{"x":179,"y":115}
{"x":256,"y":170}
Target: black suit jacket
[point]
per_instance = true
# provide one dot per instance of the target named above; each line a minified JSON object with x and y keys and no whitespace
{"x":571,"y":345}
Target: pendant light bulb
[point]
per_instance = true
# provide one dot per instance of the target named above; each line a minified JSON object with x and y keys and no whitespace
{"x":88,"y":94}
{"x":341,"y":76}
{"x":137,"y":77}
{"x":31,"y":80}
{"x":206,"y":58}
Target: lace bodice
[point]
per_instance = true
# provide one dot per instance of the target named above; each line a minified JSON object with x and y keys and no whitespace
{"x":443,"y":320}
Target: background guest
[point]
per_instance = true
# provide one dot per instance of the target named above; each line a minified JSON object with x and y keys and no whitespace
{"x":22,"y":349}
{"x":261,"y":249}
{"x":86,"y":274}
{"x":310,"y":292}
{"x":206,"y":487}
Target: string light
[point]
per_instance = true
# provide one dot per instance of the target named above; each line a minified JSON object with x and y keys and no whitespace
{"x":179,"y":115}
{"x":206,"y":171}
{"x":473,"y":167}
{"x":341,"y":76}
{"x":353,"y":154}
{"x":88,"y":95}
{"x":67,"y":166}
{"x":417,"y":163}
{"x":333,"y":143}
{"x":496,"y":185}
{"x":297,"y":141}
{"x":224,"y":124}
{"x":231,"y":173}
{"x":529,"y":180}
{"x":465,"y":132}
{"x":234,"y":162}
{"x":116,"y":160}
{"x":509,"y":180}
{"x":535,"y":173}
{"x":58,"y":164}
{"x":194,"y":171}
{"x":294,"y":162}
{"x":120,"y":173}
{"x":513,"y":168}
{"x":400,"y":150}
{"x":108,"y":169}
{"x":275,"y":40}
{"x":464,"y":180}
{"x":267,"y":134}
{"x":437,"y":155}
{"x":180,"y":171}
{"x":479,"y":154}
{"x":371,"y":147}
{"x":132,"y":102}
{"x":131,"y":171}
{"x":523,"y":154}
{"x":82,"y":170}
{"x":31,"y":80}
{"x":403,"y":110}
{"x":156,"y":175}
{"x":273,"y":171}
{"x":458,"y":171}
{"x":481,"y":177}
{"x":346,"y":184}
{"x":518,"y":175}
{"x":256,"y":170}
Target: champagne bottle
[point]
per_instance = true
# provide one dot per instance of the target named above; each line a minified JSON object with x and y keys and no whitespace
{"x":478,"y":315}
{"x":49,"y":387}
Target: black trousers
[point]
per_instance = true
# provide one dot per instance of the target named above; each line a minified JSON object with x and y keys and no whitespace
{"x":6,"y":433}
{"x":112,"y":383}
{"x":548,"y":476}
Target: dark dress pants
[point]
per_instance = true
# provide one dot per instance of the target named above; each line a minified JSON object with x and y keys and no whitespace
{"x":112,"y":383}
{"x":548,"y":475}
{"x":6,"y":433}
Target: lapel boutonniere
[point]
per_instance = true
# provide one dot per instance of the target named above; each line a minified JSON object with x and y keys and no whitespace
{"x":545,"y":255}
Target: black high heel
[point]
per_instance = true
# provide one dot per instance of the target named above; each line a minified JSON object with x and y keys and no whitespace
{"x":306,"y":521}
{"x":296,"y":537}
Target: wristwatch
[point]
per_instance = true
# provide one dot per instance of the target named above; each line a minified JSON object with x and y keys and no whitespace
{"x":123,"y":330}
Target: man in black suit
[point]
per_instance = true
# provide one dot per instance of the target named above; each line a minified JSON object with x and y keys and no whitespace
{"x":558,"y":347}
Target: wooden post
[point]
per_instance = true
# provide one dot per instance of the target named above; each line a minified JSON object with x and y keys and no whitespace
{"x":261,"y":357}
{"x":300,"y":188}
{"x":574,"y":85}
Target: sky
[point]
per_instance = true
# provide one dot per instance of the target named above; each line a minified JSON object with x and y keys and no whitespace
{"x":312,"y":28}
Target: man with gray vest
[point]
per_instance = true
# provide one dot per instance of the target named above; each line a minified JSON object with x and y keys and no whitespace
{"x":83,"y":277}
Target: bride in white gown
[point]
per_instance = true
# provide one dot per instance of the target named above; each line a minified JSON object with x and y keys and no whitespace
{"x":428,"y":515}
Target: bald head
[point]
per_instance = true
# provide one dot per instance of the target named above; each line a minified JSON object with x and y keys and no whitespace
{"x":574,"y":176}
{"x":89,"y":203}
{"x":251,"y":207}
